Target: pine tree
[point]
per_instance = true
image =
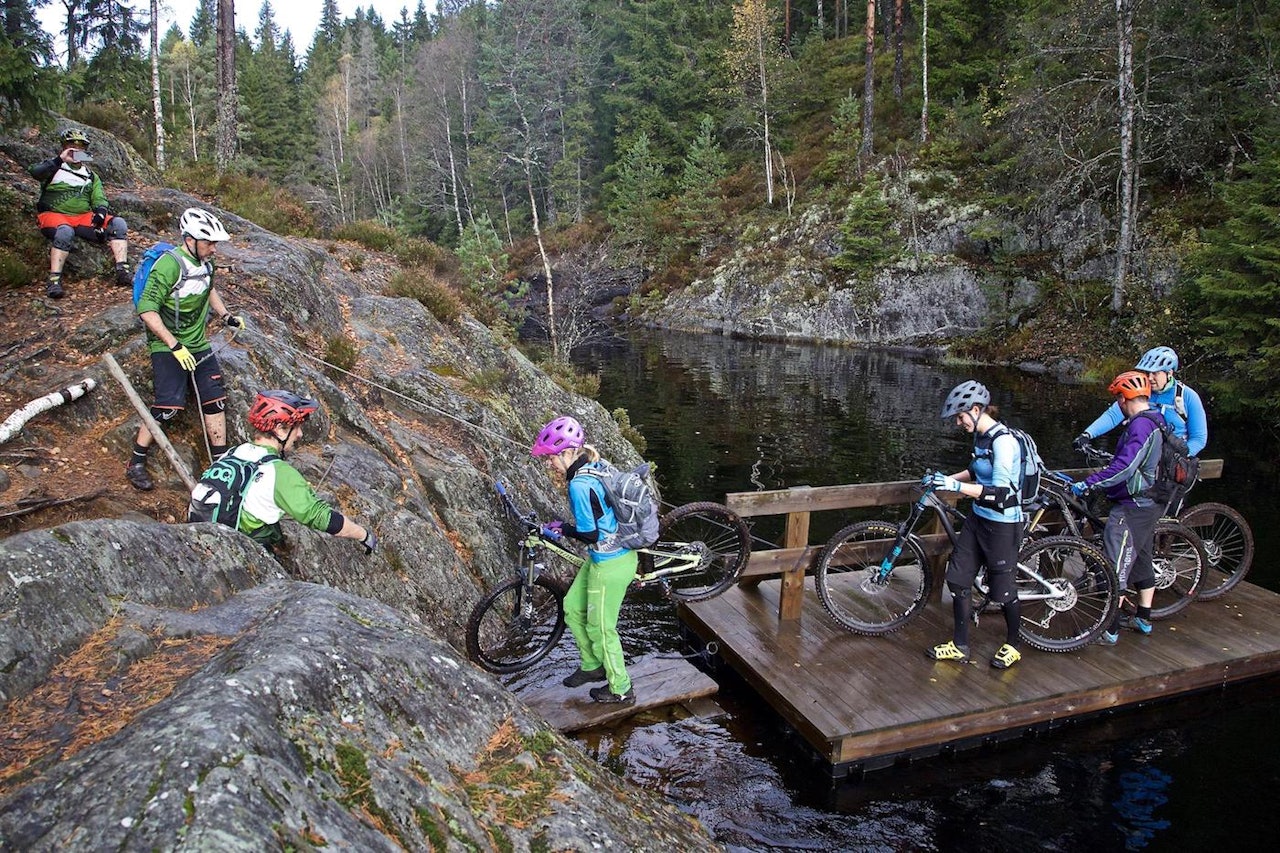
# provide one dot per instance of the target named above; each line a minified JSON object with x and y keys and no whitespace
{"x":1237,"y":287}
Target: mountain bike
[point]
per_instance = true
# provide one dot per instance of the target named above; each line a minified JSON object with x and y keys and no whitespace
{"x":873,"y":577}
{"x":1178,"y":555}
{"x":702,"y":549}
{"x":1228,"y":546}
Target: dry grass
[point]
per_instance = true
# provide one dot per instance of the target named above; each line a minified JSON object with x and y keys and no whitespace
{"x":91,"y":695}
{"x":511,"y":791}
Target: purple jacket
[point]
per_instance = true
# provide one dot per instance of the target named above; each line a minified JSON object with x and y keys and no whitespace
{"x":1129,"y":476}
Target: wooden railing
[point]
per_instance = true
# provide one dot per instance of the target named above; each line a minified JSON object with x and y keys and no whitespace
{"x":797,"y":554}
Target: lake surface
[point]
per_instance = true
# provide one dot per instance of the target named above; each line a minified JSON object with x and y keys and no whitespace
{"x":722,"y":415}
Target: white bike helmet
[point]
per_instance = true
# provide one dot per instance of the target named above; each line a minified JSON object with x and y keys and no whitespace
{"x":202,"y":225}
{"x":964,"y":396}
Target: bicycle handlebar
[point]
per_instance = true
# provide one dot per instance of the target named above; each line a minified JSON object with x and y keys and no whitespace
{"x":528,"y":519}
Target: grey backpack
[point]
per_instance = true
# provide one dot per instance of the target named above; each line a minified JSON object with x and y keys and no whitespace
{"x":631,"y":498}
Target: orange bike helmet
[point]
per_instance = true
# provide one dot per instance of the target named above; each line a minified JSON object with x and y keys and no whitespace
{"x":1130,"y":384}
{"x":274,"y":409}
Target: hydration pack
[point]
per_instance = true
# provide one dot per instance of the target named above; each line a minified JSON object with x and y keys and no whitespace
{"x":220,"y":493}
{"x":631,"y":498}
{"x":1177,"y":470}
{"x":1032,"y":465}
{"x":148,"y":260}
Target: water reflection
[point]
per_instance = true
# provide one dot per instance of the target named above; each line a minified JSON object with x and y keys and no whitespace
{"x":723,"y":415}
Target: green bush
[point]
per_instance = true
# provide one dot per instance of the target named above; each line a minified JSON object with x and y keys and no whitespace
{"x":341,"y":352}
{"x":563,"y":374}
{"x":436,"y":296}
{"x":247,"y":196}
{"x":370,"y":234}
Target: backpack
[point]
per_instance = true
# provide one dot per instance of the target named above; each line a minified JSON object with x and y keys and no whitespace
{"x":219,"y":494}
{"x":1177,"y":470}
{"x":148,"y":260}
{"x":631,"y":499}
{"x":1032,"y":465}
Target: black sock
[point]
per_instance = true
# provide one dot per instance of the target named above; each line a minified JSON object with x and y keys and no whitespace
{"x":217,"y":450}
{"x":962,"y":611}
{"x":139,"y":455}
{"x":1012,"y":617}
{"x":1144,"y":612}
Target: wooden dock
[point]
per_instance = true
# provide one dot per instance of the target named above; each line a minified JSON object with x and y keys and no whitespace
{"x":657,"y":681}
{"x":868,"y":702}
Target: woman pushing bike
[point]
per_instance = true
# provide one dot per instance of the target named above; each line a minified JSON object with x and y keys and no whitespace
{"x":594,"y":599}
{"x":993,"y":530}
{"x":1129,"y":536}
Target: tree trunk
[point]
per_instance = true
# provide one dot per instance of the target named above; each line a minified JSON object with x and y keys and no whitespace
{"x":868,"y":86}
{"x":897,"y":48}
{"x":225,"y":144}
{"x":924,"y":76}
{"x":761,"y":57}
{"x":546,"y":262}
{"x":155,"y":83}
{"x":1127,"y":209}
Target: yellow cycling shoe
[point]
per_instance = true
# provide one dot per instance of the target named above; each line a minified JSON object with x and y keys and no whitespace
{"x":1006,"y":657}
{"x":948,"y":651}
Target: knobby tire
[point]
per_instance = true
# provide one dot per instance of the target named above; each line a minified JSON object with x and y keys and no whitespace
{"x":848,"y":586}
{"x":504,"y":637}
{"x":1075,"y":567}
{"x":1179,"y":560}
{"x":1228,"y":546}
{"x":712,"y":529}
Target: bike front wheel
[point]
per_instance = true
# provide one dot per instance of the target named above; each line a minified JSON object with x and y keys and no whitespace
{"x":1228,"y":546}
{"x":710,"y":532}
{"x":857,"y":593}
{"x":1178,"y":558}
{"x":516,"y":625}
{"x":1067,"y":593}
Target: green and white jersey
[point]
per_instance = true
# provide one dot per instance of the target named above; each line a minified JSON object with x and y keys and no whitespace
{"x":277,"y":490}
{"x":178,"y":290}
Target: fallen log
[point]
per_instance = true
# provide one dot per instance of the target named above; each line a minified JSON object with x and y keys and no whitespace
{"x":152,"y":427}
{"x":29,"y":506}
{"x":18,"y":419}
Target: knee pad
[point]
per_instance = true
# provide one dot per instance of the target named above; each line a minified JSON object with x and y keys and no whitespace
{"x":957,"y":589}
{"x":214,"y":408}
{"x":164,"y":414}
{"x":117,"y":228}
{"x":64,"y":238}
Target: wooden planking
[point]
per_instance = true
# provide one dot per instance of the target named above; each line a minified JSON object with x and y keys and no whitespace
{"x":657,"y":682}
{"x":858,"y":700}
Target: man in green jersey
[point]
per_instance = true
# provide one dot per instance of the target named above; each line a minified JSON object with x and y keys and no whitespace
{"x":276,"y":489}
{"x":174,"y":306}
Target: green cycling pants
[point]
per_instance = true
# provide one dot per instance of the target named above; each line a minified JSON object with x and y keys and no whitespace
{"x":591,"y":611}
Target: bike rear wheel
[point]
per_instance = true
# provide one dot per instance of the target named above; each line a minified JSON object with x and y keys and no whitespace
{"x":1228,"y":546}
{"x":714,"y":532}
{"x":1177,"y":555}
{"x":516,"y":625}
{"x":850,"y":586}
{"x":1076,"y":600}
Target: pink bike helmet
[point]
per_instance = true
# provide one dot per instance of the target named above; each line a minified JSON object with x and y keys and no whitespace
{"x":559,"y":434}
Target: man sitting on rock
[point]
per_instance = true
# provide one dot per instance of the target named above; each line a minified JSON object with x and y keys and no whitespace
{"x":72,"y":204}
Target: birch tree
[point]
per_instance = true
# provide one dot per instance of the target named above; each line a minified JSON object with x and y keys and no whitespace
{"x":1128,"y":179}
{"x":225,"y":142}
{"x":751,"y":58}
{"x":155,"y":83}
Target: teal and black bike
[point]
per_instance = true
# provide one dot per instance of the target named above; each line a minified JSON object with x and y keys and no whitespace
{"x":702,"y":549}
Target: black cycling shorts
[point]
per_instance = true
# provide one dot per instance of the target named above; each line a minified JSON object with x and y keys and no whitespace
{"x":172,"y":382}
{"x":993,"y":544}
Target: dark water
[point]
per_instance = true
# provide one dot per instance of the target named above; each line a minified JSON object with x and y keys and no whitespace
{"x":723,"y":415}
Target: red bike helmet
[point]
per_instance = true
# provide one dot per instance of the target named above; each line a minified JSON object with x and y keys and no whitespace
{"x":273,"y":409}
{"x":1130,"y":384}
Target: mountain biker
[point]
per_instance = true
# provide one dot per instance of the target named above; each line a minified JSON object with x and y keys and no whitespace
{"x":594,"y":599}
{"x":72,"y":204}
{"x":277,"y":489}
{"x":1129,"y":535}
{"x":174,"y":308}
{"x":992,"y":531}
{"x":1177,"y":402}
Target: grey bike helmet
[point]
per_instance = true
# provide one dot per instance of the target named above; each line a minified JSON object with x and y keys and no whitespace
{"x":1160,"y":358}
{"x":963,"y":396}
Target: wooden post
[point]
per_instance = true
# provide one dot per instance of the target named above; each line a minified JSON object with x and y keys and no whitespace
{"x":152,"y":427}
{"x":791,"y":599}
